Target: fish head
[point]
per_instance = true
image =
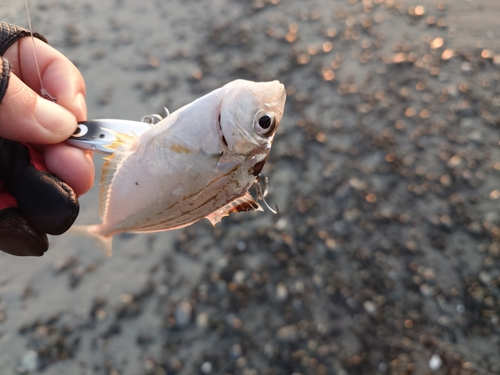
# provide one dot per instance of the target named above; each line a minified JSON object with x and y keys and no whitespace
{"x":250,"y":113}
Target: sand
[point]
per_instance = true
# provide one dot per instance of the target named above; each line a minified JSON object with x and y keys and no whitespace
{"x":385,"y":256}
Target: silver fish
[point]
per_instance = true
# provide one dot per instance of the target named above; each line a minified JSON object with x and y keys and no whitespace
{"x":198,"y":162}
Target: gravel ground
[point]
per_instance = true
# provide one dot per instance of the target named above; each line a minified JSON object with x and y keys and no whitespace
{"x":385,"y":257}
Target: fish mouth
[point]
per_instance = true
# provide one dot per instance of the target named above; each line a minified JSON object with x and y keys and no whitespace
{"x":257,"y":168}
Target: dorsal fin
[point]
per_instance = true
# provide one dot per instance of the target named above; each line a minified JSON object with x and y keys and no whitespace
{"x":244,"y":203}
{"x":119,"y":146}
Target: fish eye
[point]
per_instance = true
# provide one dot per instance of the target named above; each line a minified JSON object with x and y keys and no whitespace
{"x":80,"y":131}
{"x":265,"y":122}
{"x":265,"y":125}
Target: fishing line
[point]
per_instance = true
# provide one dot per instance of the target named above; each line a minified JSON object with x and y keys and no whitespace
{"x":43,"y":91}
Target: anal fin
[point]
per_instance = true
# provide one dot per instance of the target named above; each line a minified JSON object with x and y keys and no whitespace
{"x":245,"y":203}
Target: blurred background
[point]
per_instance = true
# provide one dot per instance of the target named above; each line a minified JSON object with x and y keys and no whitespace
{"x":385,"y":257}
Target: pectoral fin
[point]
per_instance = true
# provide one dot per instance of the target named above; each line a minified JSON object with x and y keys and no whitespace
{"x":245,"y":203}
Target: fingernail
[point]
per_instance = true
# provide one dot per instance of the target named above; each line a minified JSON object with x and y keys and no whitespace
{"x":55,"y":119}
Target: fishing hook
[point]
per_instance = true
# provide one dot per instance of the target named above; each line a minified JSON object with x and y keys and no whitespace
{"x":155,"y":118}
{"x":262,"y":193}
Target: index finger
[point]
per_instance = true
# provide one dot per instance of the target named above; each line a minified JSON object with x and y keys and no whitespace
{"x":59,"y":75}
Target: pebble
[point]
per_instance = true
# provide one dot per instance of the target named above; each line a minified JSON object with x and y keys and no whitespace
{"x":426,"y":290}
{"x":162,"y":290}
{"x":206,"y":367}
{"x":202,"y":320}
{"x":444,"y":320}
{"x":435,"y":362}
{"x":30,"y":361}
{"x":287,"y":333}
{"x":268,"y":350}
{"x":281,"y":224}
{"x":484,"y":277}
{"x":235,"y":352}
{"x":318,"y":280}
{"x":239,"y":277}
{"x":475,"y":135}
{"x":281,"y":292}
{"x":299,"y":286}
{"x":221,"y":286}
{"x":183,"y":314}
{"x":466,"y":67}
{"x":369,"y":307}
{"x":221,"y":263}
{"x":241,"y":362}
{"x":297,"y":304}
{"x":494,"y":250}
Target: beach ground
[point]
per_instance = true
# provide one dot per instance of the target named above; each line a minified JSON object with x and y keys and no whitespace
{"x":385,"y":257}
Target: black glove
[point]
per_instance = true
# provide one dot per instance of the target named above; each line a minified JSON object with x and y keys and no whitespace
{"x":39,"y":203}
{"x":33,"y":202}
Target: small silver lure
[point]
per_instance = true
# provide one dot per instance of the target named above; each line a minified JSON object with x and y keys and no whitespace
{"x":97,"y":135}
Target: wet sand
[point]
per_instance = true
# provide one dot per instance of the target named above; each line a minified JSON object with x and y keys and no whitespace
{"x":385,"y":258}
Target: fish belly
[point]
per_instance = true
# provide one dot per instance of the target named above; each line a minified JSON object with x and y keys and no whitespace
{"x":156,"y":184}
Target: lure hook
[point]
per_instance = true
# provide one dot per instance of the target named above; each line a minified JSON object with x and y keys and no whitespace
{"x":262,"y":193}
{"x":155,"y":118}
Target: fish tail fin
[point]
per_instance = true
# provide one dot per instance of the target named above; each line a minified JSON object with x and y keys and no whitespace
{"x":105,"y":242}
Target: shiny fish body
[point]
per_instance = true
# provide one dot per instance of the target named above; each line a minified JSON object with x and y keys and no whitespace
{"x":198,"y":162}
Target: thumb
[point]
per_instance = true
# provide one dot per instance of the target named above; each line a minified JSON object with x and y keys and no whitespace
{"x":27,"y":117}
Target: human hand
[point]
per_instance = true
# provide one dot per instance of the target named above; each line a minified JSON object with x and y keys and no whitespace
{"x":42,"y":125}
